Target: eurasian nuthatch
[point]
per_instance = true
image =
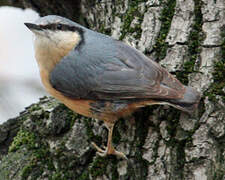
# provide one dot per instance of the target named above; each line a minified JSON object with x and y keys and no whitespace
{"x":100,"y":77}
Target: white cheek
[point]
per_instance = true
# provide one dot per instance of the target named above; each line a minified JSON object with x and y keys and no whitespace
{"x":65,"y":38}
{"x":56,"y":40}
{"x":41,"y":42}
{"x":61,"y":36}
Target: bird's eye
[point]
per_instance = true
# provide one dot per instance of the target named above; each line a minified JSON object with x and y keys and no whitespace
{"x":59,"y":26}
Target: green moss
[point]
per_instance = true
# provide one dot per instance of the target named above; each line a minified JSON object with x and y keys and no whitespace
{"x":67,"y":165}
{"x":23,"y":137}
{"x":98,"y":167}
{"x":115,"y":175}
{"x":166,"y":17}
{"x":71,"y":115}
{"x":194,"y":41}
{"x":127,"y":18}
{"x":177,"y":146}
{"x":172,"y":116}
{"x":84,"y":176}
{"x":218,"y":175}
{"x":40,"y":154}
{"x":142,"y":123}
{"x":35,"y":107}
{"x":188,"y":68}
{"x":100,"y":164}
{"x":91,"y":136}
{"x":116,"y":134}
{"x":104,"y":30}
{"x":27,"y":170}
{"x":173,"y":121}
{"x":57,"y":176}
{"x":218,"y":170}
{"x":39,"y":160}
{"x":218,"y":86}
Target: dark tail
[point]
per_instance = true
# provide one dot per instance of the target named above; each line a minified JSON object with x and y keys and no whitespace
{"x":190,"y":101}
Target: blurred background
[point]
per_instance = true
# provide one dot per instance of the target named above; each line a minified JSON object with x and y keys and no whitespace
{"x":20,"y":83}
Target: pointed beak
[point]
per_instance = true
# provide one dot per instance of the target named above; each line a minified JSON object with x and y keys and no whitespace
{"x":33,"y":27}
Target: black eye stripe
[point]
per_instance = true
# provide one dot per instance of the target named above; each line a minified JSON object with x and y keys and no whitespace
{"x":58,"y":26}
{"x":65,"y":27}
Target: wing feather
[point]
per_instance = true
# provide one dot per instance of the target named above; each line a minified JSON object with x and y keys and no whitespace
{"x":114,"y":71}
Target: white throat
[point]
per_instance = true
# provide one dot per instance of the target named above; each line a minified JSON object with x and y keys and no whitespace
{"x":50,"y":47}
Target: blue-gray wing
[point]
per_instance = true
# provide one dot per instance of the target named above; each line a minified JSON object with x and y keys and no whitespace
{"x":114,"y":71}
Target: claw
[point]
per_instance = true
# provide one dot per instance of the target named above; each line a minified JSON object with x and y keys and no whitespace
{"x":120,"y":154}
{"x":97,"y":148}
{"x":103,"y":154}
{"x":109,"y":149}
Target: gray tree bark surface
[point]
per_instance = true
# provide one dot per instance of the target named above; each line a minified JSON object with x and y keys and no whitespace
{"x":187,"y":37}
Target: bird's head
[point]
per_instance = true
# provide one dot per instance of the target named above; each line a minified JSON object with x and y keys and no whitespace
{"x":55,"y":37}
{"x":56,"y":32}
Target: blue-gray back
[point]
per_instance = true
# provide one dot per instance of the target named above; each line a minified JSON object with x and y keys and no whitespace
{"x":106,"y":69}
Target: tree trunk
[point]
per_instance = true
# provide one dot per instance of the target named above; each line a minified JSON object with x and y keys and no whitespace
{"x":185,"y":36}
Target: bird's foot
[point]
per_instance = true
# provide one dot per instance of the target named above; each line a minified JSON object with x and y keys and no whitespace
{"x":108,"y":151}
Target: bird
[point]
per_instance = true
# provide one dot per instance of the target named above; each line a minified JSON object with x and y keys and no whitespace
{"x":101,"y":77}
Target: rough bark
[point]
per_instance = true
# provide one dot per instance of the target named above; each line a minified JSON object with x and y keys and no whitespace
{"x":161,"y":143}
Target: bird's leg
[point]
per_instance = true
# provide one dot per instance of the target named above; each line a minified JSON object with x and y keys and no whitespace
{"x":109,"y":149}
